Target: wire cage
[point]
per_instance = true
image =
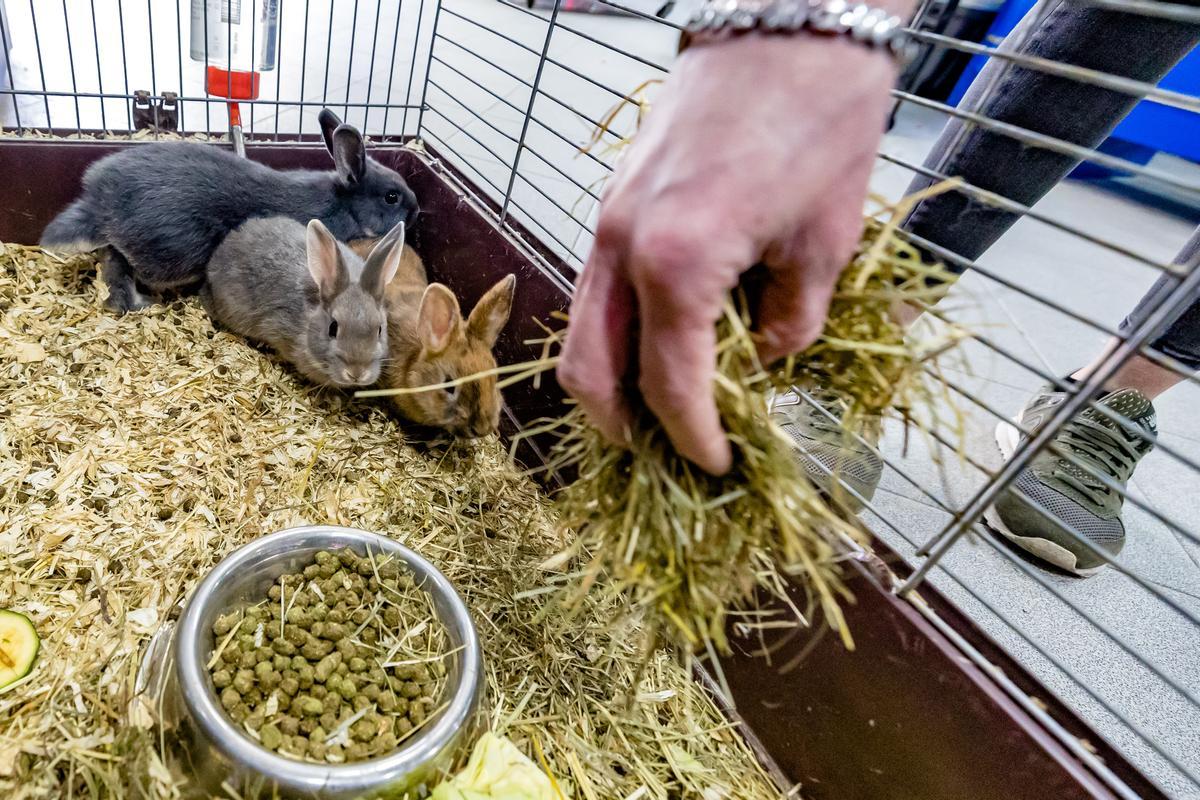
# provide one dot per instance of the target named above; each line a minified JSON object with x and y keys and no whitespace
{"x":522,"y":105}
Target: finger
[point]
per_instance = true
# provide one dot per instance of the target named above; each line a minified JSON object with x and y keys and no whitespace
{"x":804,"y":273}
{"x":677,"y":370}
{"x":595,"y":356}
{"x":795,"y":302}
{"x":677,"y":355}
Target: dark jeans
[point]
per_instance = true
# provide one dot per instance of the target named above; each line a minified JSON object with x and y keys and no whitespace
{"x":1125,"y":44}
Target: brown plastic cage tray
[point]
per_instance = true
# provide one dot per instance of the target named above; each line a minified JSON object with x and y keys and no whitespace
{"x":927,"y":707}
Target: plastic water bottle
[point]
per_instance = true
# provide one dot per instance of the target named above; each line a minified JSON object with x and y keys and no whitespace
{"x":237,"y":40}
{"x":236,"y":35}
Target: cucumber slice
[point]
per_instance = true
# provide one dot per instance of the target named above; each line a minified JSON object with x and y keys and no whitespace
{"x":19,"y":644}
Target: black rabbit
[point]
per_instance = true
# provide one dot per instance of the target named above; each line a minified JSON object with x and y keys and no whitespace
{"x":160,"y":210}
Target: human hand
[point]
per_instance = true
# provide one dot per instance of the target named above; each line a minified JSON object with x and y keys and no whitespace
{"x":758,"y":150}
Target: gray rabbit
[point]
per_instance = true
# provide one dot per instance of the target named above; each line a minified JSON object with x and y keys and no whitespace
{"x":306,"y":295}
{"x":160,"y":210}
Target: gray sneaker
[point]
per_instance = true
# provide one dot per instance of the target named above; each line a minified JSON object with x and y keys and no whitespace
{"x":1074,"y":504}
{"x":824,"y":446}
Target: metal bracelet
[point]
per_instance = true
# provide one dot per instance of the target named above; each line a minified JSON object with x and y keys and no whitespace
{"x":873,"y":27}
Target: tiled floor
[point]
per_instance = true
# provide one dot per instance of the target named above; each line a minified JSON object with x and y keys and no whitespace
{"x":478,"y":97}
{"x":1132,"y":625}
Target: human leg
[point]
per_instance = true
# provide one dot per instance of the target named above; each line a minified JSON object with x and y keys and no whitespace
{"x":1080,"y":113}
{"x":1066,"y":507}
{"x":1066,"y":32}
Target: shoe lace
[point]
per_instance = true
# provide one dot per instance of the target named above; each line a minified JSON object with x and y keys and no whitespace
{"x":1096,"y":449}
{"x":828,"y":417}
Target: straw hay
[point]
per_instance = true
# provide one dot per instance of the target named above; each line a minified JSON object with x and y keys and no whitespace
{"x":135,"y":452}
{"x":683,"y":550}
{"x":118,"y":136}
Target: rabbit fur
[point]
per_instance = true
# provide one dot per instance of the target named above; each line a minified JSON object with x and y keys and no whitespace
{"x":307,"y":295}
{"x":160,"y":210}
{"x":430,"y":343}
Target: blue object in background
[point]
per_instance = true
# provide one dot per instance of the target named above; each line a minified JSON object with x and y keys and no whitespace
{"x":1149,"y":128}
{"x":1006,"y":19}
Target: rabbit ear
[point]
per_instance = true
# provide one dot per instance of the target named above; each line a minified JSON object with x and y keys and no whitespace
{"x":383,"y":261}
{"x":329,"y":123}
{"x":349,"y":155}
{"x":491,"y":312}
{"x":325,"y":261}
{"x":439,"y":318}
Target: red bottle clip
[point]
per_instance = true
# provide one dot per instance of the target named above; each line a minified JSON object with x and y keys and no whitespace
{"x":234,"y":84}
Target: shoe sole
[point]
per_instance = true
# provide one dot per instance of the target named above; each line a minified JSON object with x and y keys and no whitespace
{"x":1007,"y":437}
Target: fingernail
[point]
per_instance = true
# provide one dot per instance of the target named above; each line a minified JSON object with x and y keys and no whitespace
{"x":724,"y":461}
{"x":716,"y":461}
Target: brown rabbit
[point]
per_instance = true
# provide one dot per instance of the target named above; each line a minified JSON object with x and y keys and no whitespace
{"x":430,"y":343}
{"x":363,"y":247}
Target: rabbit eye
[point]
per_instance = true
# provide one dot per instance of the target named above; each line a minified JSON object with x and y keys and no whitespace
{"x":333,"y":329}
{"x":391,"y":198}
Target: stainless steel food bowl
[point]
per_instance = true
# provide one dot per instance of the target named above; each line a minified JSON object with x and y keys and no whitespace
{"x":217,"y":750}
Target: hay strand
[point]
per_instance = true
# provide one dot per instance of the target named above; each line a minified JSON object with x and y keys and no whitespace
{"x":116,"y":497}
{"x":683,"y":550}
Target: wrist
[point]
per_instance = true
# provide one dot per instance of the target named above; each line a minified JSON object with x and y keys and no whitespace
{"x":790,"y":65}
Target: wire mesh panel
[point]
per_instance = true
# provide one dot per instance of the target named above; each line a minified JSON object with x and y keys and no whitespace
{"x":513,"y":98}
{"x":528,"y":104}
{"x":520,"y":105}
{"x":76,"y":65}
{"x":1045,"y":301}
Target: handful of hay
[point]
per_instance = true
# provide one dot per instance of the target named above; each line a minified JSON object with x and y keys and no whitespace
{"x":682,"y":548}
